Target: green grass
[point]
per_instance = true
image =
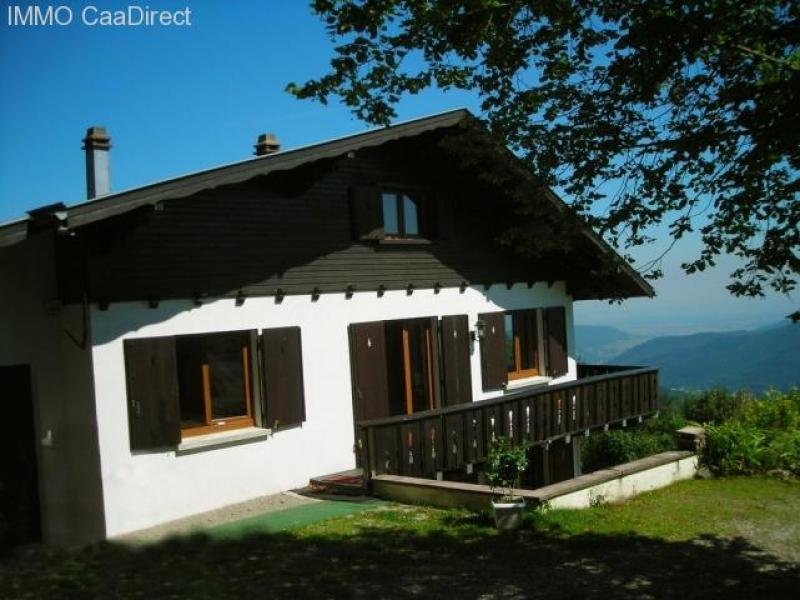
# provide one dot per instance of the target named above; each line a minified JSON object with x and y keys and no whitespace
{"x":714,"y":538}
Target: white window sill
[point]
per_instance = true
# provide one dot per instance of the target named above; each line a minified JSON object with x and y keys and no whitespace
{"x":223,"y":439}
{"x":528,"y":381}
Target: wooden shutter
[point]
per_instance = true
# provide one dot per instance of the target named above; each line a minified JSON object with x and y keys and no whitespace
{"x":555,"y":326}
{"x":455,"y":360}
{"x":493,"y":351}
{"x":366,"y":212}
{"x":434,"y":363}
{"x":368,"y":369}
{"x":445,"y":215}
{"x":282,"y":357}
{"x":152,"y":378}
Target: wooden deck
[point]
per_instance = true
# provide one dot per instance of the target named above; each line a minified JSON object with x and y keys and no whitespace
{"x":456,"y":438}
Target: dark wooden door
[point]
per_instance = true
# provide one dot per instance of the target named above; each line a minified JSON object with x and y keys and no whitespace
{"x":19,"y":484}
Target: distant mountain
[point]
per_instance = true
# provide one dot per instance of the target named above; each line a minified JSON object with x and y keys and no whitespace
{"x":737,"y":359}
{"x":598,"y":344}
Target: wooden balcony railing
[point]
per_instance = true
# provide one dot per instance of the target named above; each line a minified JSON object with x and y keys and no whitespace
{"x":427,"y":444}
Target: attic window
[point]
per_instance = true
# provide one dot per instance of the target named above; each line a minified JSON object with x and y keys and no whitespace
{"x":393,"y":215}
{"x":400,"y":215}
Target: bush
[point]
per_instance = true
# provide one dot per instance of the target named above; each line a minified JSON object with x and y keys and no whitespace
{"x":773,"y":411}
{"x":762,"y":435}
{"x":505,"y":465}
{"x":734,"y":448}
{"x":603,"y":450}
{"x":668,"y":421}
{"x":713,"y":406}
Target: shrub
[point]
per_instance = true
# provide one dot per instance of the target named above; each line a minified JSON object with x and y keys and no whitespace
{"x":734,"y":448}
{"x":773,"y":411}
{"x":762,"y":435}
{"x":668,"y":421}
{"x":603,"y":450}
{"x":713,"y":406}
{"x":505,"y":465}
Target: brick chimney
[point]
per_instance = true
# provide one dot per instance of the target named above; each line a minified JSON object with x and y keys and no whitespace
{"x":267,"y":144}
{"x":97,"y":144}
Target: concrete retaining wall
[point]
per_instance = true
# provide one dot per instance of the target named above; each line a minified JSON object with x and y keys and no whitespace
{"x":607,"y":485}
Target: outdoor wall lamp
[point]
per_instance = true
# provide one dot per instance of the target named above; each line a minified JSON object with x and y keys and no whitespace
{"x":479,"y":330}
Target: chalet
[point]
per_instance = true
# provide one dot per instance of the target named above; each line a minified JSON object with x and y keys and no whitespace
{"x":390,"y":300}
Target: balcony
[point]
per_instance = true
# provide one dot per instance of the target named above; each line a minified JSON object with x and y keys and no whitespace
{"x":456,"y":439}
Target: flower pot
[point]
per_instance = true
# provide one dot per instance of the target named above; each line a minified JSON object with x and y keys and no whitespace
{"x":508,"y":515}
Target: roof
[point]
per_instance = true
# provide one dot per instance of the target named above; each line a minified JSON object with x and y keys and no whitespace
{"x":110,"y":205}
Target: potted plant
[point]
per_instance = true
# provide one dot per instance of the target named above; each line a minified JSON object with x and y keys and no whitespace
{"x":504,"y":468}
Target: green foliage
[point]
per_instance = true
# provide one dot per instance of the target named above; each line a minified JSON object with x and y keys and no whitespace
{"x":668,"y":421}
{"x":712,"y":406}
{"x":606,"y":449}
{"x":774,"y":410}
{"x":734,"y":448}
{"x":760,"y":435}
{"x":506,"y":464}
{"x":692,"y":106}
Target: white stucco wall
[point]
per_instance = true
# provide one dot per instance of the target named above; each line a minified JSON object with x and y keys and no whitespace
{"x":145,"y":489}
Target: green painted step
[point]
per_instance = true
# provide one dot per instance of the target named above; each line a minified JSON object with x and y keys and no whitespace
{"x":290,"y":518}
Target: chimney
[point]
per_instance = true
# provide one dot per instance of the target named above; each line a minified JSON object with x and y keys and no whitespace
{"x":267,"y":144}
{"x":98,"y":172}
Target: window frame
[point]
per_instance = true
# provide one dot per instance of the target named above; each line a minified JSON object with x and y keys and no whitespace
{"x":212,"y":425}
{"x":519,"y":373}
{"x":419,"y":197}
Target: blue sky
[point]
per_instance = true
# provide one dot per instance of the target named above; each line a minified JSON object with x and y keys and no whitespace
{"x":177,"y":100}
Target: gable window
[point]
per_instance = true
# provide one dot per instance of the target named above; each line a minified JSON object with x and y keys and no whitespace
{"x":384,"y":213}
{"x":521,"y":343}
{"x":214,"y":382}
{"x":401,"y":213}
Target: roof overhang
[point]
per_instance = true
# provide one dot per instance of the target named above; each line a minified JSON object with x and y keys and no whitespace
{"x":104,"y":207}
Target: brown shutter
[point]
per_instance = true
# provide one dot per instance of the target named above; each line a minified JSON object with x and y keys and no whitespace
{"x":444,"y":227}
{"x":368,"y":369}
{"x":555,"y":326}
{"x":455,"y":360}
{"x":366,"y":211}
{"x":283,"y":377}
{"x":152,"y":378}
{"x":493,"y":351}
{"x":435,"y":366}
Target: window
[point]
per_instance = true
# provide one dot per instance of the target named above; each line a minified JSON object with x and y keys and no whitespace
{"x":400,"y":215}
{"x":214,"y":382}
{"x":181,"y":386}
{"x":521,"y":344}
{"x":410,"y":365}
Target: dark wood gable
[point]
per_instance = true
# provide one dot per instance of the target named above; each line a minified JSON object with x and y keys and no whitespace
{"x":310,"y":228}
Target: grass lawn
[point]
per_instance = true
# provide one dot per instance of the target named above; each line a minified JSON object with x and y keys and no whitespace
{"x":737,"y":538}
